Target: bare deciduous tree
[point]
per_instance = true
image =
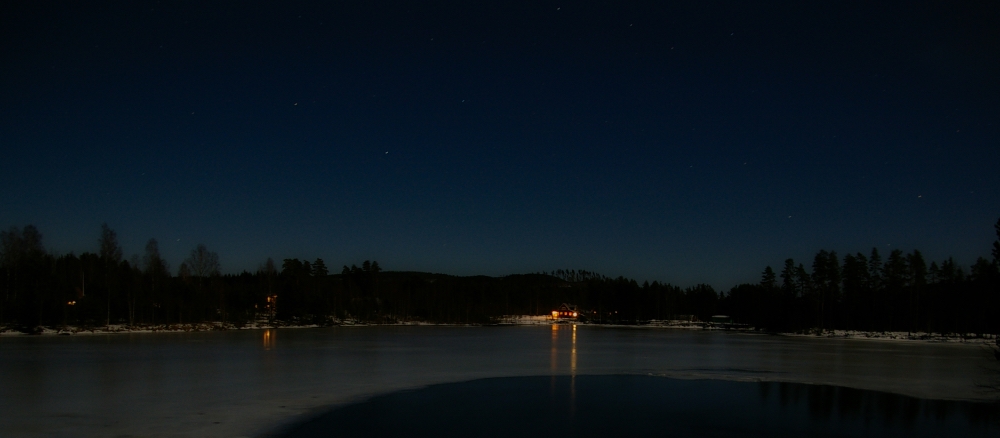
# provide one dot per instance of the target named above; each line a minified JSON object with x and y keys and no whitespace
{"x":202,"y":262}
{"x":111,"y":254}
{"x":156,"y":270}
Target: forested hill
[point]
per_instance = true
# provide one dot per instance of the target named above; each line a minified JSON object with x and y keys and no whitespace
{"x":857,"y":291}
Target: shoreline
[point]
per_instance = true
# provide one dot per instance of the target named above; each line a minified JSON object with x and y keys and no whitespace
{"x":967,"y":338}
{"x":238,"y":384}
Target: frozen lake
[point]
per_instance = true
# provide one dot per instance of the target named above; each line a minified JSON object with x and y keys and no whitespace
{"x":245,"y":383}
{"x":631,"y":405}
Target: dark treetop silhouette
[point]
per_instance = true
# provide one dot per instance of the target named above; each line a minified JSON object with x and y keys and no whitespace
{"x":856,"y":291}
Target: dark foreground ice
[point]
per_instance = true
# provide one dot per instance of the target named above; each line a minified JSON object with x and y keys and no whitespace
{"x":247,"y":383}
{"x":634,"y":405}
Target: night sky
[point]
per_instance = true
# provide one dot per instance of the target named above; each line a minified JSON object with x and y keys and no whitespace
{"x":680,"y":142}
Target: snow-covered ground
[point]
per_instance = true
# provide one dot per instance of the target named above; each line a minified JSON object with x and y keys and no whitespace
{"x":524,"y":320}
{"x":902,"y":336}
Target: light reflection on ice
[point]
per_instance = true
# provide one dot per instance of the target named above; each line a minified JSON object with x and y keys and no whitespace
{"x":555,"y":353}
{"x":269,"y":335}
{"x":241,"y":382}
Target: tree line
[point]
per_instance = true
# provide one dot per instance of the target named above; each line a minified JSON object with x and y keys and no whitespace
{"x":899,"y":292}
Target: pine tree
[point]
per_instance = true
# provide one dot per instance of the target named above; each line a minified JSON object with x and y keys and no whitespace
{"x":854,"y":273}
{"x":996,"y":244}
{"x":767,"y":279}
{"x":875,"y":270}
{"x":918,"y":281}
{"x":826,"y":283}
{"x":802,"y":282}
{"x":895,"y":277}
{"x":788,"y":278}
{"x":319,"y":269}
{"x":933,"y":273}
{"x":291,"y":267}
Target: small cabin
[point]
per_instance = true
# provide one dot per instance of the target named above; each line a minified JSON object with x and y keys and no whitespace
{"x":722,"y":319}
{"x":566,"y":311}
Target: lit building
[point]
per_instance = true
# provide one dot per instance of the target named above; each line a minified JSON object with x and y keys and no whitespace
{"x":566,"y":311}
{"x":272,"y":306}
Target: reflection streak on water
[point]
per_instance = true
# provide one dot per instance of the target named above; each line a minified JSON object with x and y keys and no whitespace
{"x":269,"y":336}
{"x":554,"y":355}
{"x":554,"y":366}
{"x":572,"y":354}
{"x":572,"y":375}
{"x":554,"y":350}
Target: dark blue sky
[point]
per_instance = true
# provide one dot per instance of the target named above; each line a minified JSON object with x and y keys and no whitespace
{"x":691,"y":142}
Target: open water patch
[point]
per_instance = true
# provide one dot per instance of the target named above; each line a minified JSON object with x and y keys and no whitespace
{"x":637,"y":405}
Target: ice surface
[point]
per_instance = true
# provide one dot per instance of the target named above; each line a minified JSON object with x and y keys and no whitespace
{"x":244,"y":383}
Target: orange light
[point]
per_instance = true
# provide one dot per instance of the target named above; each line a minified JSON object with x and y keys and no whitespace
{"x":555,"y":314}
{"x":574,"y":314}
